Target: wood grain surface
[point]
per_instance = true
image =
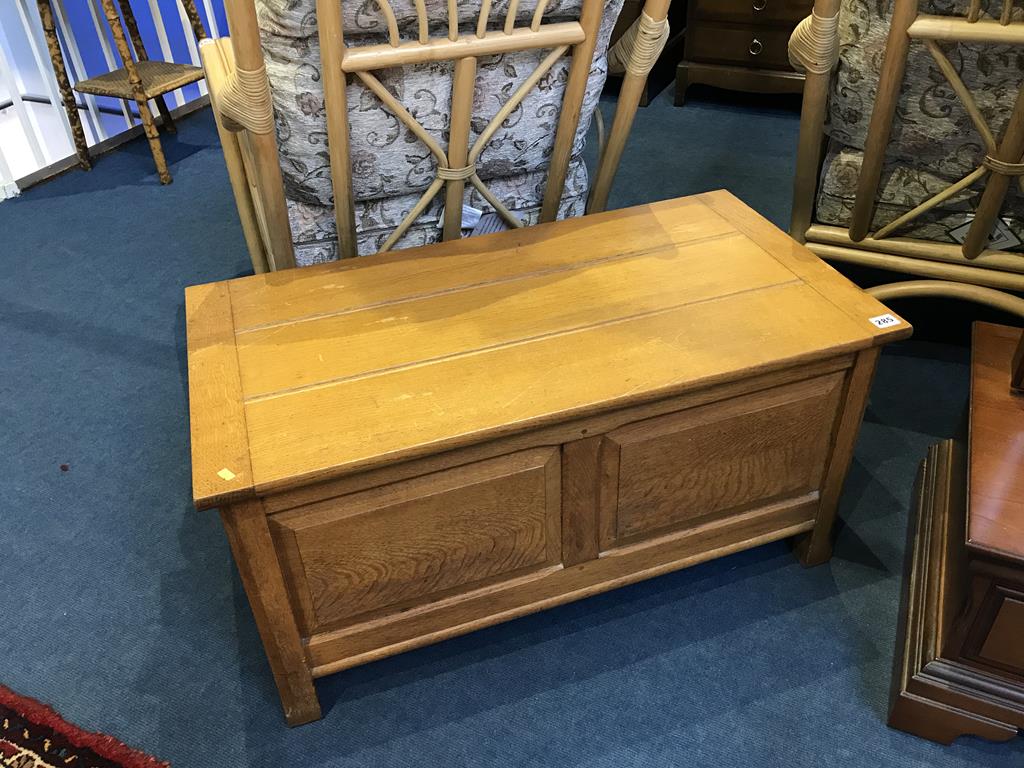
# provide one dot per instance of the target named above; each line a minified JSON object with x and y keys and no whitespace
{"x":437,"y":620}
{"x":581,"y":488}
{"x":445,"y":438}
{"x":245,"y":524}
{"x":996,"y":480}
{"x":349,"y":366}
{"x":220,"y":442}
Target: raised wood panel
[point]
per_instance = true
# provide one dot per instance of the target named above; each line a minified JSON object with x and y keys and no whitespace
{"x":678,"y":469}
{"x":428,"y":623}
{"x":1005,"y":642}
{"x":393,"y":547}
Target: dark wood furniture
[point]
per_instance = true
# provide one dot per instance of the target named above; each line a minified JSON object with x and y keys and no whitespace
{"x":664,"y":69}
{"x":410,"y":446}
{"x":961,"y":661}
{"x":740,"y":45}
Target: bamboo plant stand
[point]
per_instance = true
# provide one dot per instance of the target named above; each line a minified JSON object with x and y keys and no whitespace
{"x":138,"y":79}
{"x":407,"y":447}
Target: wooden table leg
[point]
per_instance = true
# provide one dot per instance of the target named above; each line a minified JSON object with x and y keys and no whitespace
{"x":63,"y":84}
{"x":253,"y":549}
{"x":815,"y":548}
{"x":142,"y":55}
{"x":133,"y":31}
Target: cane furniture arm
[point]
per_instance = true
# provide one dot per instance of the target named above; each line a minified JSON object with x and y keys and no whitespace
{"x":636,"y":53}
{"x":240,"y":95}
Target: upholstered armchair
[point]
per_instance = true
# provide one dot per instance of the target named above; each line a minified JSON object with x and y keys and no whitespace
{"x":355,"y":127}
{"x":911,"y":140}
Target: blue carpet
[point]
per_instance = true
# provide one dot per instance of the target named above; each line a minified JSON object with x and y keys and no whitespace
{"x":122,"y":609}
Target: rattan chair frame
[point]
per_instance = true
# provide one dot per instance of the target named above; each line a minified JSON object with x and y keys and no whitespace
{"x":235,"y":68}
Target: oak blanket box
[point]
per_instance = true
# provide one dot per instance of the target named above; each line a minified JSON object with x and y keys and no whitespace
{"x":411,"y":446}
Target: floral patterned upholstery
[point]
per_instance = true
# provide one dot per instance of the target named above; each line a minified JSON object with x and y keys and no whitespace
{"x":390,"y":165}
{"x":933,"y":141}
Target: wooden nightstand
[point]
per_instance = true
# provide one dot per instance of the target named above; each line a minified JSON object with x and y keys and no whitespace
{"x":741,"y":45}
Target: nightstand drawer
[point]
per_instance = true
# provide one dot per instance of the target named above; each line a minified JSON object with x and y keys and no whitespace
{"x":764,"y":48}
{"x":787,"y":12}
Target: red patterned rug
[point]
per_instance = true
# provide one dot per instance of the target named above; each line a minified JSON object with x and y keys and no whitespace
{"x":34,"y":736}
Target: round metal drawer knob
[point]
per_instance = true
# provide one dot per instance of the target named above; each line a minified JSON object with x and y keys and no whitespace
{"x":760,"y":5}
{"x":756,"y":46}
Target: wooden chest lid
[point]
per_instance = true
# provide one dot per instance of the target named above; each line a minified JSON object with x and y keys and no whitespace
{"x":313,"y":373}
